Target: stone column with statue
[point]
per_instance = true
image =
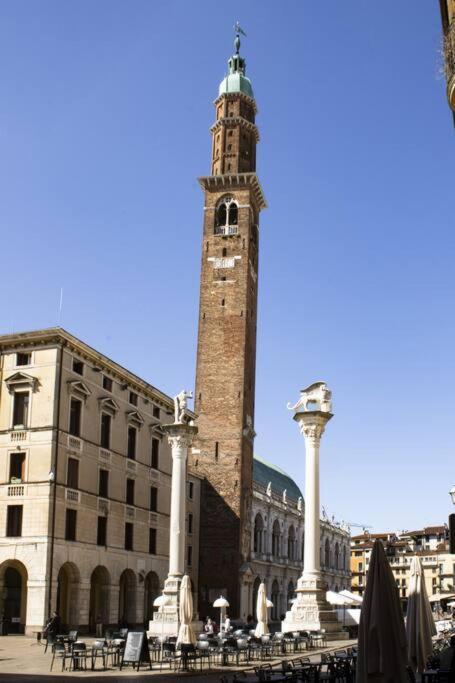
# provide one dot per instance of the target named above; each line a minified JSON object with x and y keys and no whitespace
{"x":311,"y":611}
{"x":180,"y":435}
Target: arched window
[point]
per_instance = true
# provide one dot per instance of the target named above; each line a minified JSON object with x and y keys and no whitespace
{"x":226,"y":217}
{"x":291,"y":543}
{"x":302,"y":550}
{"x":276,"y":539}
{"x":344,"y":557}
{"x":337,"y":556}
{"x":258,"y":534}
{"x":327,"y":553}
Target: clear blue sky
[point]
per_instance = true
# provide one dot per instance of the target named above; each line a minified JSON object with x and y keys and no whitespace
{"x":104,"y":115}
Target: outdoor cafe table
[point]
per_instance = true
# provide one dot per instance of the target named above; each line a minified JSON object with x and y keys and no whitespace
{"x":272,"y":678}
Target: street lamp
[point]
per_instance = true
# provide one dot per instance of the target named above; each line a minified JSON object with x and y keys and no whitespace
{"x":452,"y":494}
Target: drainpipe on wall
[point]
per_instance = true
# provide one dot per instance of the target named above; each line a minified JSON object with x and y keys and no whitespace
{"x":54,"y":470}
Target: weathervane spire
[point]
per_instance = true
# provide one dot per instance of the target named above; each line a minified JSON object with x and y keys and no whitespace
{"x":238,"y":30}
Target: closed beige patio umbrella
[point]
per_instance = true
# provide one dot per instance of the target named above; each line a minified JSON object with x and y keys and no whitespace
{"x":420,"y":626}
{"x":382,"y":648}
{"x":186,"y":634}
{"x":262,"y":628}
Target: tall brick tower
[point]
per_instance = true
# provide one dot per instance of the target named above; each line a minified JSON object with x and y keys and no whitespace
{"x":226,"y":353}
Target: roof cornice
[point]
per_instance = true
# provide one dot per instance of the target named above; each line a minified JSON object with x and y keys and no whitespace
{"x":235,"y":181}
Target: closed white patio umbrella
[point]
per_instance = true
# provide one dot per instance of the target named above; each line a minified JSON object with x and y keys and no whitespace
{"x":420,"y":626}
{"x":262,"y":628}
{"x":353,"y":596}
{"x":186,"y":634}
{"x":382,"y":647}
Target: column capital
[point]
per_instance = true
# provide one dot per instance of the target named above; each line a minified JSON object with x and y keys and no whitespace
{"x":180,"y":436}
{"x":312,"y":424}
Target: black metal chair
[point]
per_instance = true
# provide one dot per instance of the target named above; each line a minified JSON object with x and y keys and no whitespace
{"x":59,"y":651}
{"x":79,"y":656}
{"x":99,"y":651}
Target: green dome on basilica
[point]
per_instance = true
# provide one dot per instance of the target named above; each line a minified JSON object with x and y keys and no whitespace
{"x":264,"y":472}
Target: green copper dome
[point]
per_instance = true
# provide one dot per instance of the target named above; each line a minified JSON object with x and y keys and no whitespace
{"x":264,"y":472}
{"x":236,"y":81}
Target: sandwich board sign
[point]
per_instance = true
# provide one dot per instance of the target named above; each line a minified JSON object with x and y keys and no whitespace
{"x":136,"y":650}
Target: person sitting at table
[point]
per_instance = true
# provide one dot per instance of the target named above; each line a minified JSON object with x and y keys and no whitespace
{"x":209,"y":626}
{"x":53,"y":626}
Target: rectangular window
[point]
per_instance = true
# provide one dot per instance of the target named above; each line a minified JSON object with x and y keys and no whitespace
{"x":131,"y":452}
{"x":23,"y":358}
{"x":78,"y":366}
{"x":107,"y":383}
{"x":72,"y":475}
{"x":155,"y":454}
{"x":103,"y":484}
{"x":152,"y":541}
{"x":75,"y":417}
{"x":133,"y":398}
{"x":156,"y":412}
{"x":190,"y":490}
{"x":105,"y":430}
{"x":14,"y":520}
{"x":360,"y":566}
{"x":101,"y":532}
{"x":17,"y":466}
{"x":130,"y":491}
{"x":190,"y":523}
{"x":128,"y":536}
{"x":20,"y":409}
{"x":153,"y":499}
{"x":70,"y":525}
{"x":189,"y":555}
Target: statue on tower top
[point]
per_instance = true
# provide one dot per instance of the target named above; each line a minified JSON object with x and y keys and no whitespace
{"x":238,"y":30}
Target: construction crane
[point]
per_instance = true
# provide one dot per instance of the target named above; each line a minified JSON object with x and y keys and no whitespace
{"x":364,"y":527}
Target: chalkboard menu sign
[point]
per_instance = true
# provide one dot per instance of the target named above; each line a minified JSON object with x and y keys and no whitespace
{"x":136,"y":650}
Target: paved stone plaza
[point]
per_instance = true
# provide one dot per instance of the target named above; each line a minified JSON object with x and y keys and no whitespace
{"x":23,"y":660}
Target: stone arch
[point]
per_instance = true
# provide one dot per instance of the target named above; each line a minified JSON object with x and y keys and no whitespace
{"x":327,"y":553}
{"x":258,"y":534}
{"x":291,"y":543}
{"x":337,"y":555}
{"x":100,"y":582}
{"x":344,"y":557}
{"x":302,"y":548}
{"x":127,"y":597}
{"x":68,"y":582}
{"x":13,"y":594}
{"x":257,"y":583}
{"x":276,"y":539}
{"x":275,"y":597}
{"x":151,"y":592}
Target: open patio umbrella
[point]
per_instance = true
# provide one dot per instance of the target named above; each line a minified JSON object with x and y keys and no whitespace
{"x":222,"y":603}
{"x":382,"y":648}
{"x":353,"y":596}
{"x":261,"y":612}
{"x":420,"y":626}
{"x":186,"y":634}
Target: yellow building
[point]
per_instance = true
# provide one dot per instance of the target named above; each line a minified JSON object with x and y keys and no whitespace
{"x":85,"y":486}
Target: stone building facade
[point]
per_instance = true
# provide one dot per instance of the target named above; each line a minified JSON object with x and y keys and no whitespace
{"x":448,"y":31}
{"x":226,"y":351}
{"x":278,"y":540}
{"x":429,"y":543}
{"x":85,"y":486}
